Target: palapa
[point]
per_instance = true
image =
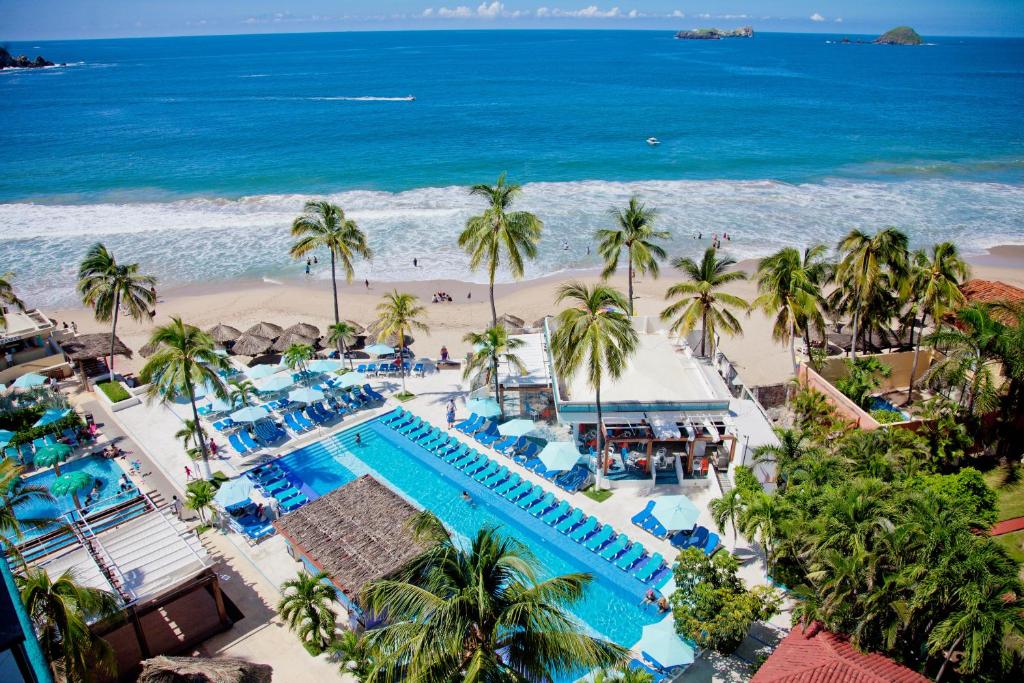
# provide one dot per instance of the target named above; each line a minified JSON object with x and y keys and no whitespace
{"x":203,"y":670}
{"x":86,"y":347}
{"x":287,"y":340}
{"x":265,"y":329}
{"x":359,"y":329}
{"x":251,"y":345}
{"x":304,"y":329}
{"x":148,"y":349}
{"x":509,"y":320}
{"x":223,"y":333}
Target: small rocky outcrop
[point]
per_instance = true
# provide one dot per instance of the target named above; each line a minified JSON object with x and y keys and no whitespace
{"x":9,"y":61}
{"x":901,"y":35}
{"x":715,"y":33}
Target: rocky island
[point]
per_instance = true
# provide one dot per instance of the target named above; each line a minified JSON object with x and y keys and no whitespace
{"x":8,"y":61}
{"x":715,"y":33}
{"x":901,"y":35}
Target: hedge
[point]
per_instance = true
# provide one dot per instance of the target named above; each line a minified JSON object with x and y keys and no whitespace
{"x":883,"y":416}
{"x":70,"y":421}
{"x":114,"y":391}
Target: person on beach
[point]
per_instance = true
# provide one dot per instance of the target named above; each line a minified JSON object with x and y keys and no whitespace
{"x":415,"y":263}
{"x":367,"y":282}
{"x":450,"y":413}
{"x":469,"y":295}
{"x":307,"y":267}
{"x":315,"y":261}
{"x":188,"y":473}
{"x":444,"y":354}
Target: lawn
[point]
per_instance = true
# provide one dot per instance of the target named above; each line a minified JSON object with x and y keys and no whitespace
{"x":1011,"y":495}
{"x":599,"y":495}
{"x":1014,"y":544}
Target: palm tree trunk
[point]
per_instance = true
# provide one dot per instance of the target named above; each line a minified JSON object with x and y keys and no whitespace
{"x":704,"y":331}
{"x":853,"y":340}
{"x":199,"y":432}
{"x":74,"y":497}
{"x":792,"y":347}
{"x":913,"y":368}
{"x":401,"y":357}
{"x":600,"y":439}
{"x":945,"y":660}
{"x":113,"y":333}
{"x":334,"y":289}
{"x":629,"y":254}
{"x":497,"y":396}
{"x":494,"y":311}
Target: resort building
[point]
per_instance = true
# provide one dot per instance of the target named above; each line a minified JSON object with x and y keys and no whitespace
{"x":28,"y":343}
{"x":21,"y":659}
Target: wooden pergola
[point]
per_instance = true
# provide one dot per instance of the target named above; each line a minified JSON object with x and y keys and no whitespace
{"x":89,"y":347}
{"x":621,"y":430}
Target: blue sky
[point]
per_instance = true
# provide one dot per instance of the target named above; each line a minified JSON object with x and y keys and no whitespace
{"x":56,"y":19}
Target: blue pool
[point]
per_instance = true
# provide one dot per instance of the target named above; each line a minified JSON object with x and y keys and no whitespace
{"x":612,"y":608}
{"x":880,"y":403}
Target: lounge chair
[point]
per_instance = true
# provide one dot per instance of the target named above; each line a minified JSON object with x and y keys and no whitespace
{"x":575,"y":518}
{"x":294,"y":504}
{"x":504,"y":442}
{"x":284,"y":494}
{"x":395,"y":416}
{"x":39,"y":443}
{"x":650,"y":568}
{"x":454,"y":456}
{"x":509,"y":448}
{"x":361,"y":367}
{"x":487,"y":471}
{"x":573,"y":480}
{"x":237,"y":444}
{"x":661,"y":578}
{"x":410,"y":426}
{"x":496,"y":477}
{"x":615,"y":548}
{"x":542,"y":505}
{"x":696,"y":539}
{"x":418,"y":369}
{"x":278,"y":486}
{"x":642,"y":516}
{"x":70,"y":435}
{"x":528,"y":453}
{"x":303,"y":420}
{"x":557,"y":515}
{"x":489,"y":436}
{"x":711,"y":545}
{"x":603,"y":536}
{"x":518,"y":492}
{"x":483,"y":428}
{"x":631,"y":557}
{"x":264,"y":469}
{"x":472,"y":463}
{"x":513,"y":482}
{"x":535,"y":494}
{"x":469,"y":423}
{"x":292,"y":423}
{"x":371,"y":369}
{"x":654,"y":527}
{"x":376,"y":396}
{"x":582,"y":532}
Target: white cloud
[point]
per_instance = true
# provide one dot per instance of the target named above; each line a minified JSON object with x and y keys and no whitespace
{"x":678,"y":14}
{"x":703,"y":15}
{"x":460,"y":12}
{"x":839,"y":20}
{"x":429,"y":12}
{"x":490,"y":11}
{"x":817,"y":17}
{"x":633,"y":14}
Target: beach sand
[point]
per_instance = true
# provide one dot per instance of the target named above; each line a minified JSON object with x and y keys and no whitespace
{"x":242,"y":303}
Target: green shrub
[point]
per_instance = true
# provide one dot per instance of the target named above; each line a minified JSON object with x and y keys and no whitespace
{"x":598,"y":495}
{"x":885,"y":417}
{"x":114,"y":391}
{"x":69,"y":421}
{"x":313,"y":648}
{"x":746,"y":481}
{"x":21,"y":419}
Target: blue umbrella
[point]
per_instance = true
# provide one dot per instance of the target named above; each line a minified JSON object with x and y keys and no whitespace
{"x":281,"y":380}
{"x":325,"y":365}
{"x":305,"y":395}
{"x":220,"y":405}
{"x":661,"y":643}
{"x":559,"y":455}
{"x":5,"y":437}
{"x":51,"y":415}
{"x":249,"y":414}
{"x":260,"y":371}
{"x":204,"y":389}
{"x":379,"y":349}
{"x":517,"y":427}
{"x":234,"y":491}
{"x":675,"y":512}
{"x":351,"y":379}
{"x":485,"y":407}
{"x":28,"y":381}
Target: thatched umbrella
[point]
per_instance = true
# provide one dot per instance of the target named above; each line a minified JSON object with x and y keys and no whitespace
{"x":89,"y":347}
{"x":203,"y":670}
{"x":286,"y":340}
{"x":223,"y":334}
{"x":148,"y":349}
{"x":305,"y":329}
{"x":359,"y":329}
{"x":251,"y":345}
{"x":264,"y":329}
{"x":539,"y":322}
{"x":509,"y":320}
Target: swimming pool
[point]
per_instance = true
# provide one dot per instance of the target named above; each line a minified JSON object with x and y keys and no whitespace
{"x":612,"y":605}
{"x":881,"y":403}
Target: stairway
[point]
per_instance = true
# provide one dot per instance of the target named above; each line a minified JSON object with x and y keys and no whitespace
{"x":724,"y":482}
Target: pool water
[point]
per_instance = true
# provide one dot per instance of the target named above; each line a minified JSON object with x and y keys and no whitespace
{"x":880,"y":403}
{"x":107,"y":472}
{"x":612,"y":604}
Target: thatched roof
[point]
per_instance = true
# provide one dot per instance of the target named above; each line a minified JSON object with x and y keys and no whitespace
{"x":360,"y":329}
{"x":357,"y":533}
{"x":223,"y":333}
{"x":251,"y":345}
{"x":148,"y":349}
{"x":539,"y":322}
{"x":264,"y":329}
{"x":509,"y":320}
{"x":305,"y":329}
{"x":286,"y":340}
{"x":86,"y":347}
{"x":203,"y":670}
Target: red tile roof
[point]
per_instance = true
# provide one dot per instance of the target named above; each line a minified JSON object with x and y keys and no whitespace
{"x":818,"y":656}
{"x":987,"y":291}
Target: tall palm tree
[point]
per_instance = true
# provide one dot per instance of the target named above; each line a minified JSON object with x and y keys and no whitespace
{"x":297,"y":356}
{"x":500,"y":234}
{"x":970,"y":354}
{"x":241,"y":392}
{"x":15,"y":495}
{"x":323,"y":224}
{"x":478,"y":613}
{"x":185,"y":357}
{"x":789,"y":288}
{"x":794,"y":445}
{"x":305,"y":606}
{"x":728,"y":510}
{"x":864,"y":260}
{"x":342,"y":334}
{"x":108,"y":287}
{"x":199,"y":496}
{"x":636,"y":233}
{"x":397,"y":315}
{"x":60,"y":610}
{"x":594,"y":335}
{"x":187,"y":434}
{"x":700,"y":298}
{"x":8,"y":297}
{"x":762,"y":518}
{"x":933,"y":287}
{"x":490,"y":347}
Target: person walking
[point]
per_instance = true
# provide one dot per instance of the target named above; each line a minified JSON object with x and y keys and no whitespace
{"x":176,"y":507}
{"x":451,"y":413}
{"x":188,"y":473}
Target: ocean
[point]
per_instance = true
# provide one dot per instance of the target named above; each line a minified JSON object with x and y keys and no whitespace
{"x":192,"y":155}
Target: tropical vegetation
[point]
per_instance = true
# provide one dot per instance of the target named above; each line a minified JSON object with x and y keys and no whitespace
{"x":398,"y":314}
{"x":114,"y":391}
{"x":491,"y":347}
{"x":15,"y":495}
{"x":8,"y":297}
{"x":863,"y":376}
{"x":307,"y":607}
{"x":635,"y":233}
{"x":199,"y":496}
{"x":342,"y":334}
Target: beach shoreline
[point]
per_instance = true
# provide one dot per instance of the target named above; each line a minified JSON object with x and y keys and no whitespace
{"x":241,"y":303}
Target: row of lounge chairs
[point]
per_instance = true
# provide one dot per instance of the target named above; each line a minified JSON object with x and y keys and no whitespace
{"x":699,"y":537}
{"x":242,"y":519}
{"x":600,"y":539}
{"x":389,"y":369}
{"x":272,"y":480}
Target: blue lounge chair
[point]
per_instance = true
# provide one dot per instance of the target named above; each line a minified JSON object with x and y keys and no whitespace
{"x":582,"y":532}
{"x":635,"y":553}
{"x":456,"y":455}
{"x":575,"y":479}
{"x":504,"y":442}
{"x":661,"y":578}
{"x":39,"y":443}
{"x":472,"y":463}
{"x":603,"y":536}
{"x":571,"y":522}
{"x":528,"y":453}
{"x":506,"y":486}
{"x":683,"y":540}
{"x":535,"y":494}
{"x":369,"y":391}
{"x":557,"y":515}
{"x":655,"y":528}
{"x":262,"y":470}
{"x":510,"y":449}
{"x":361,"y":367}
{"x":395,"y":416}
{"x":489,"y":436}
{"x":711,"y":545}
{"x":237,"y":445}
{"x":495,"y":478}
{"x":410,"y":426}
{"x":303,"y":420}
{"x":292,"y":423}
{"x":418,"y":369}
{"x":277,"y":487}
{"x":70,"y":435}
{"x":641,"y":517}
{"x":483,"y":428}
{"x":284,"y":494}
{"x":615,"y":548}
{"x":481,"y":474}
{"x":542,"y":504}
{"x":294,"y":504}
{"x":469,"y":423}
{"x":650,"y":568}
{"x":518,"y":492}
{"x":371,"y":369}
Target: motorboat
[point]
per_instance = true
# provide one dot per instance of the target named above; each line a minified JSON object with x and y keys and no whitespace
{"x":653,"y":141}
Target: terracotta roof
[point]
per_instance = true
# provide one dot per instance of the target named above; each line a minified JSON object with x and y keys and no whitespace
{"x":987,"y":291}
{"x":819,"y":656}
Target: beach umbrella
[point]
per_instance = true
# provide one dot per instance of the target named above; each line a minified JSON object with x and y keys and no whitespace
{"x":5,"y":437}
{"x":675,"y":512}
{"x":281,"y":380}
{"x":220,"y":405}
{"x":305,"y":395}
{"x":207,"y":388}
{"x":70,"y":483}
{"x":325,"y":365}
{"x":249,"y":414}
{"x":223,"y":333}
{"x":351,"y":379}
{"x":510,"y":320}
{"x":252,"y":345}
{"x":517,"y":427}
{"x":291,"y":338}
{"x":260,"y":371}
{"x":379,"y":349}
{"x":51,"y":415}
{"x":359,"y":329}
{"x":264,"y":329}
{"x":304,"y":329}
{"x":559,"y":455}
{"x":661,"y":643}
{"x":484,"y":407}
{"x":52,"y":455}
{"x":148,"y":349}
{"x":234,"y":491}
{"x":28,"y":381}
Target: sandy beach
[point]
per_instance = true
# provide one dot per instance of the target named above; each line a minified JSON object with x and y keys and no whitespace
{"x":242,"y":303}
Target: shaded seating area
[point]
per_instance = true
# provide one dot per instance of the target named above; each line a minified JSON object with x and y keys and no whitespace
{"x":88,"y":354}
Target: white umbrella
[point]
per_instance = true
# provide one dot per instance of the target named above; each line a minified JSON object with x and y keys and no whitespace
{"x":28,"y":381}
{"x":485,"y":407}
{"x":249,"y":414}
{"x":234,"y":491}
{"x":260,"y":371}
{"x":305,"y":395}
{"x":559,"y":455}
{"x":281,"y":380}
{"x":675,"y":512}
{"x":351,"y":379}
{"x":661,"y":643}
{"x":517,"y":427}
{"x":379,"y":349}
{"x":325,"y":365}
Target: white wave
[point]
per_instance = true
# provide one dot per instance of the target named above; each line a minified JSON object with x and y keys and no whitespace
{"x":200,"y":239}
{"x":407,"y":98}
{"x":271,"y":281}
{"x":255,"y":76}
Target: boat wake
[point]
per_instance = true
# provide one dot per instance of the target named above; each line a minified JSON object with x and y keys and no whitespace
{"x":366,"y":98}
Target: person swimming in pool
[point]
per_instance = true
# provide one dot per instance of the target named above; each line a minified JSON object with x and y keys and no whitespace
{"x":359,"y":439}
{"x":650,"y":597}
{"x":466,"y":498}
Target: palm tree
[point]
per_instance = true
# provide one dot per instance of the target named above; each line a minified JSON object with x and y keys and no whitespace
{"x":397,"y":315}
{"x":185,"y":357}
{"x":323,"y":224}
{"x":241,"y":392}
{"x":490,"y":347}
{"x":636,"y":233}
{"x":478,"y":613}
{"x":342,"y":334}
{"x":306,"y":608}
{"x":864,"y":259}
{"x":970,"y":351}
{"x":199,"y":497}
{"x":794,"y":445}
{"x":762,"y":517}
{"x":8,"y":297}
{"x":107,"y":287}
{"x":700,"y":298}
{"x":789,"y":288}
{"x":15,"y":495}
{"x":352,"y":652}
{"x":498,"y":233}
{"x":187,"y":434}
{"x":296,"y":356}
{"x":60,"y":610}
{"x":933,"y":285}
{"x":594,"y":334}
{"x":728,"y":509}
